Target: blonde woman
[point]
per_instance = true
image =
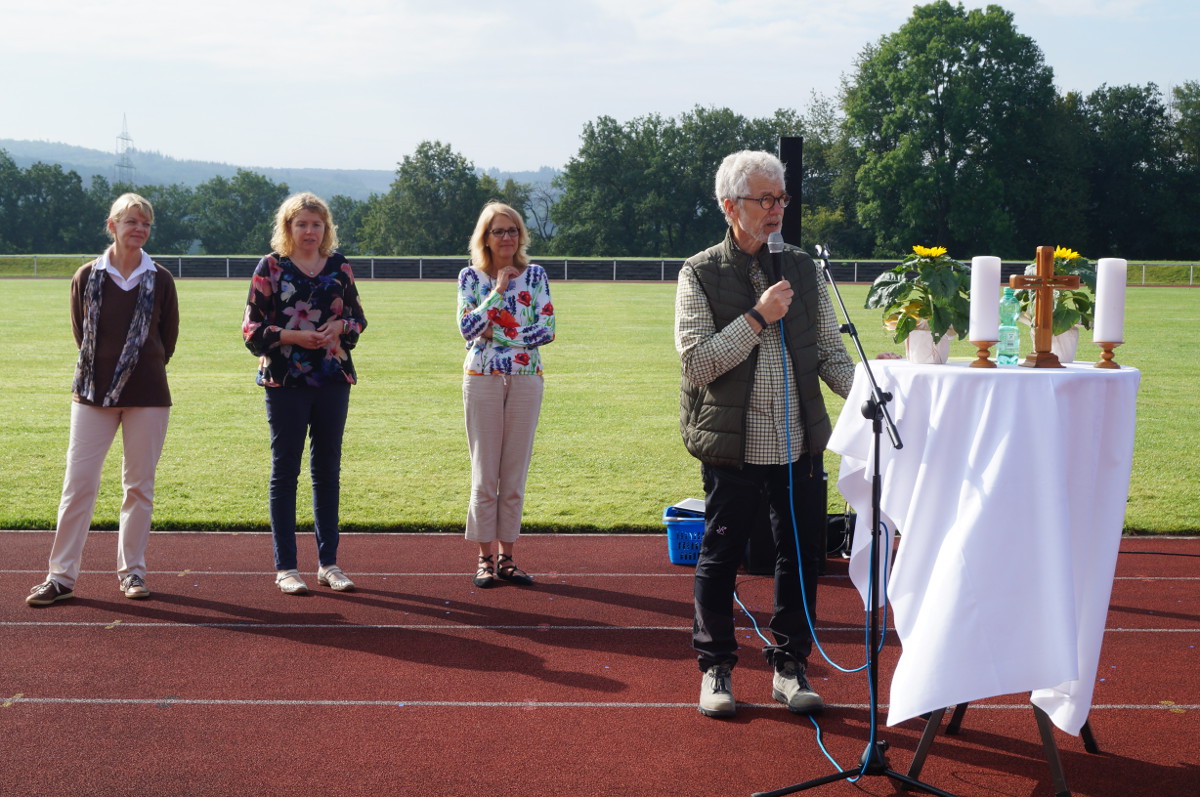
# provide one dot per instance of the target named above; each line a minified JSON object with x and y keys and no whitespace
{"x":125,"y":316}
{"x":302,"y":319}
{"x":506,"y":316}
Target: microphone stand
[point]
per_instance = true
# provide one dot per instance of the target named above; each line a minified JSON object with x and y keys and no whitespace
{"x":874,"y":759}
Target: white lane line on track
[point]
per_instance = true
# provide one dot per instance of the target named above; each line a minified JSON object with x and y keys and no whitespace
{"x":243,"y":626}
{"x":363,"y":626}
{"x":175,"y":701}
{"x":545,"y":578}
{"x":414,"y":535}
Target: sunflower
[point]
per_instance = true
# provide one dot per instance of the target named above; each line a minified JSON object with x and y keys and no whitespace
{"x":928,"y":289}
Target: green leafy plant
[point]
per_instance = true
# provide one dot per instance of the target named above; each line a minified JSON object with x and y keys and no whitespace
{"x":1072,"y":306}
{"x":928,"y":286}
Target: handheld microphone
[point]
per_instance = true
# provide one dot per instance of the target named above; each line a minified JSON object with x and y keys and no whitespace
{"x":775,"y":247}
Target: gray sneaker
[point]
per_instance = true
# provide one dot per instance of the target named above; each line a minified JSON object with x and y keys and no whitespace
{"x":134,"y":586}
{"x":791,"y":688}
{"x":716,"y":692}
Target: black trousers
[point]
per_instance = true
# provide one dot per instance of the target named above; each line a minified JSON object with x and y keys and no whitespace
{"x":733,"y":496}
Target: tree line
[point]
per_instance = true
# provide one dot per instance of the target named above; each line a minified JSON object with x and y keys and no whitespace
{"x":948,"y":132}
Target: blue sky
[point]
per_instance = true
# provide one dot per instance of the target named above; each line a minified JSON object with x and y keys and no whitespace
{"x":359,"y":83}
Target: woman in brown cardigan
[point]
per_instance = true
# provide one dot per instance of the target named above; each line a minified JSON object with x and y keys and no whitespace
{"x":125,"y":316}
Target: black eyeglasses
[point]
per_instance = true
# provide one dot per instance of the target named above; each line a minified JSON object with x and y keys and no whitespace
{"x":506,"y":232}
{"x":766,"y":201}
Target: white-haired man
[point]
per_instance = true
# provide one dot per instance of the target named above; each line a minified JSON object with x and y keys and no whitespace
{"x":754,"y":345}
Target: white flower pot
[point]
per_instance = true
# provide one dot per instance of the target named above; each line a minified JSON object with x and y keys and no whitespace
{"x":1062,"y":346}
{"x":920,"y":348}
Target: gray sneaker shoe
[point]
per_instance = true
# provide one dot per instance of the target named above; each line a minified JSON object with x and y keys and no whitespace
{"x":791,"y":688}
{"x":134,"y":586}
{"x":716,"y":692}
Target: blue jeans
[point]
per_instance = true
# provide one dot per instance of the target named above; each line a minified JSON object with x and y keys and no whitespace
{"x":732,"y":499}
{"x":294,"y":413}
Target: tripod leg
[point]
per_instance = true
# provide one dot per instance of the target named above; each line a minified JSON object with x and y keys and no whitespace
{"x":931,"y":729}
{"x":913,"y":783}
{"x":1089,"y":741}
{"x":1048,"y":744}
{"x":809,"y":784}
{"x":956,"y":719}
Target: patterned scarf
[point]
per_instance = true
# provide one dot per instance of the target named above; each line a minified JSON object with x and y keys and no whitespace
{"x":139,"y":328}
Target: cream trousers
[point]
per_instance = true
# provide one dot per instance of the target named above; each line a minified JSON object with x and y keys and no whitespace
{"x":93,"y":429}
{"x":501,"y":415}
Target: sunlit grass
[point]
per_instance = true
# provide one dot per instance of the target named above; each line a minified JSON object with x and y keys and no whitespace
{"x":608,"y":454}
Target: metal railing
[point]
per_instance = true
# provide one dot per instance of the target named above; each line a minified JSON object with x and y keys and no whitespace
{"x":592,"y":269}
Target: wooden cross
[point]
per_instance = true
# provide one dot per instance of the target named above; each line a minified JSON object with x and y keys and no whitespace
{"x":1043,"y":285}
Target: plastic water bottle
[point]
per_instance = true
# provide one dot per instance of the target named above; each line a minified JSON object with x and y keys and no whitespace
{"x":1008,"y":348}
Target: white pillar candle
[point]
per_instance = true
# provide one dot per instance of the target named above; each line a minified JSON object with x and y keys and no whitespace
{"x":985,"y":299}
{"x":1110,"y":300}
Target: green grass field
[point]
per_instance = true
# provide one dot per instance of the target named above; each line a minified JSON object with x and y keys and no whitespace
{"x":608,"y":455}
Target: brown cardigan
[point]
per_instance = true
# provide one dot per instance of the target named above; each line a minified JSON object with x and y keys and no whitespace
{"x":147,"y":385}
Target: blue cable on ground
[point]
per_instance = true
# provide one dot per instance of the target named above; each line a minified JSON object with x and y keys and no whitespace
{"x":800,"y":572}
{"x":796,"y":530}
{"x":811,"y":718}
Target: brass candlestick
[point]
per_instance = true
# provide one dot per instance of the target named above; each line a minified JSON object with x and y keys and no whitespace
{"x":1106,"y":354}
{"x":982,"y":356}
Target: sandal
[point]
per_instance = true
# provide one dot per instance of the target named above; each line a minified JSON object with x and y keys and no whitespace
{"x":334,"y":578}
{"x":290,"y":583}
{"x":485,"y":575}
{"x":510,"y":572}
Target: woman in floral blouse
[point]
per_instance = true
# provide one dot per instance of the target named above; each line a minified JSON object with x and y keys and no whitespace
{"x":302,"y":319}
{"x":505,"y":315}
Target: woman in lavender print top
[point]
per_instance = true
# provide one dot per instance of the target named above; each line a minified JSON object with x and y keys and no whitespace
{"x":505,"y":316}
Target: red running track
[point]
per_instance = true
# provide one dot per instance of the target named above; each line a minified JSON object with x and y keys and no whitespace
{"x":421,"y":684}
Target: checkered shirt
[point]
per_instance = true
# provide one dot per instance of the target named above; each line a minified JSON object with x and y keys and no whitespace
{"x":707,"y":353}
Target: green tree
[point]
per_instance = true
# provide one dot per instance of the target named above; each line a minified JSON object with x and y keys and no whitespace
{"x":538,"y":210}
{"x":948,"y":115}
{"x":431,"y":207}
{"x":612,"y":189}
{"x":645,"y":188}
{"x":55,"y":214}
{"x":1057,"y":209}
{"x":1186,"y":107}
{"x":829,"y":195}
{"x":1180,"y":226}
{"x":1133,"y":172}
{"x":348,"y":214}
{"x":236,"y":216}
{"x":10,"y":192}
{"x":174,"y":225}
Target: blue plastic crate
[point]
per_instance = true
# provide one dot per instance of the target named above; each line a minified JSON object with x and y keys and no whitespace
{"x":685,"y":530}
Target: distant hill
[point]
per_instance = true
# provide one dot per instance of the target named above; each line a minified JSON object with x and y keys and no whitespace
{"x":154,"y":168}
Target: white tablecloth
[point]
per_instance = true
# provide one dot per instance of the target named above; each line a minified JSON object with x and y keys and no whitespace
{"x":1009,"y":494}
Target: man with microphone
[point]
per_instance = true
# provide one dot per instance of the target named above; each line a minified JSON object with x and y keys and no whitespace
{"x":756,"y":332}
